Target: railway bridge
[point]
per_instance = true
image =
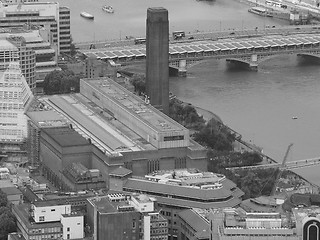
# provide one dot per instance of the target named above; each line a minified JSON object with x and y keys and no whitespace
{"x":249,"y":51}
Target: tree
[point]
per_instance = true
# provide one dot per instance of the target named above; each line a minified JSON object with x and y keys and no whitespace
{"x":73,"y":49}
{"x":60,"y":82}
{"x":139,"y":83}
{"x":3,"y":199}
{"x":7,"y":219}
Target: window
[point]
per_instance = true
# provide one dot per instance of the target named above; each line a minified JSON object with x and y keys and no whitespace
{"x":41,"y":218}
{"x":68,"y":229}
{"x":52,"y":210}
{"x":68,"y":236}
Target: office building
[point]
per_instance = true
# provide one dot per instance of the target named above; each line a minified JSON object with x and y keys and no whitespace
{"x":8,"y":53}
{"x":36,"y":54}
{"x":45,"y":14}
{"x":15,"y":96}
{"x":48,"y":220}
{"x":235,"y":223}
{"x":157,"y":58}
{"x":176,"y":190}
{"x":118,"y":216}
{"x":123,"y":131}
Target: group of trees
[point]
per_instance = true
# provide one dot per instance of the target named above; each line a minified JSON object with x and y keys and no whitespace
{"x":139,"y":83}
{"x":60,"y":82}
{"x":186,"y":115}
{"x":7,"y":219}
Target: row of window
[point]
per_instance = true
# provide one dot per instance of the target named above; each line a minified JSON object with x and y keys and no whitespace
{"x":159,"y":231}
{"x":8,"y":115}
{"x":12,"y":132}
{"x":11,"y":106}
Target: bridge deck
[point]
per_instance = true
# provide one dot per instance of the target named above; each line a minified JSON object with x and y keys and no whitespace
{"x":207,"y":47}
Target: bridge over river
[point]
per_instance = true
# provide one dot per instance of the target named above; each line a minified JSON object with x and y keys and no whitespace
{"x":248,"y":51}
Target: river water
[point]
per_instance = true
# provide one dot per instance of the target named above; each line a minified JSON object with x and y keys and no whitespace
{"x":260,"y":105}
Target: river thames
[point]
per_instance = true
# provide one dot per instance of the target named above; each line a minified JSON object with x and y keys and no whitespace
{"x":259,"y":105}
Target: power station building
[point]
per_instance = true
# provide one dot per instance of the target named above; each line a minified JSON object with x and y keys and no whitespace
{"x":114,"y":128}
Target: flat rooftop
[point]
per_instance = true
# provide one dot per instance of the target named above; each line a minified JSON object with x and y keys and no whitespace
{"x":22,"y":210}
{"x":6,"y":45}
{"x":66,"y":137}
{"x":47,"y":119}
{"x":125,"y":99}
{"x":104,"y":205}
{"x":110,"y":136}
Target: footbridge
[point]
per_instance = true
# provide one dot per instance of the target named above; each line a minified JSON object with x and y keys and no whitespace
{"x":288,"y":166}
{"x":244,"y":51}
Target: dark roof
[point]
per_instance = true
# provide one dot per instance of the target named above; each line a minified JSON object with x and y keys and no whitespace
{"x":120,"y":171}
{"x":189,"y":192}
{"x":11,"y":190}
{"x":66,"y":137}
{"x":233,"y":202}
{"x":194,"y":220}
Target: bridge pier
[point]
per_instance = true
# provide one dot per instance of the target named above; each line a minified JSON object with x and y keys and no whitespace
{"x":247,"y":62}
{"x":180,"y":70}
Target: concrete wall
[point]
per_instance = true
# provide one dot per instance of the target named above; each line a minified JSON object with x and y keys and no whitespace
{"x":50,"y":213}
{"x":72,"y":225}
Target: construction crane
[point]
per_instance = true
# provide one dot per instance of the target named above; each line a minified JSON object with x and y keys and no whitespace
{"x":280,"y":170}
{"x":281,"y":167}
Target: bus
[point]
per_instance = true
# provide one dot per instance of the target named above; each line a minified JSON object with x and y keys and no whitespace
{"x":140,"y":40}
{"x":273,"y":3}
{"x":178,"y":34}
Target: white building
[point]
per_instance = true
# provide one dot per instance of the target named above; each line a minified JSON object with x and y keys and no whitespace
{"x":15,"y":97}
{"x":72,"y":226}
{"x":44,"y":212}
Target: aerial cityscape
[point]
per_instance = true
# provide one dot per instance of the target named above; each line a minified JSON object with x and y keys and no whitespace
{"x":159,"y":120}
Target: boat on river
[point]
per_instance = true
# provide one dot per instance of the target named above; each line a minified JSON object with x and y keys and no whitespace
{"x":260,"y":11}
{"x":108,"y":9}
{"x":86,"y":15}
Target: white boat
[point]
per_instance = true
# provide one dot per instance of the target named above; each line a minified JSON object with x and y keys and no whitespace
{"x":108,"y":9}
{"x":260,"y":11}
{"x":86,"y":15}
{"x":294,"y":117}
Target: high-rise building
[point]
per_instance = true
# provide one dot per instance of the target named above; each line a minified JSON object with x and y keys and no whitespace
{"x":37,"y":55}
{"x":46,"y":14}
{"x":157,"y":55}
{"x":15,"y":97}
{"x":64,"y":29}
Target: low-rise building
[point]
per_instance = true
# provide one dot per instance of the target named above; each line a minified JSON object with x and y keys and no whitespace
{"x":235,"y":223}
{"x":14,"y":195}
{"x":120,"y":216}
{"x":179,"y":189}
{"x":48,"y":220}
